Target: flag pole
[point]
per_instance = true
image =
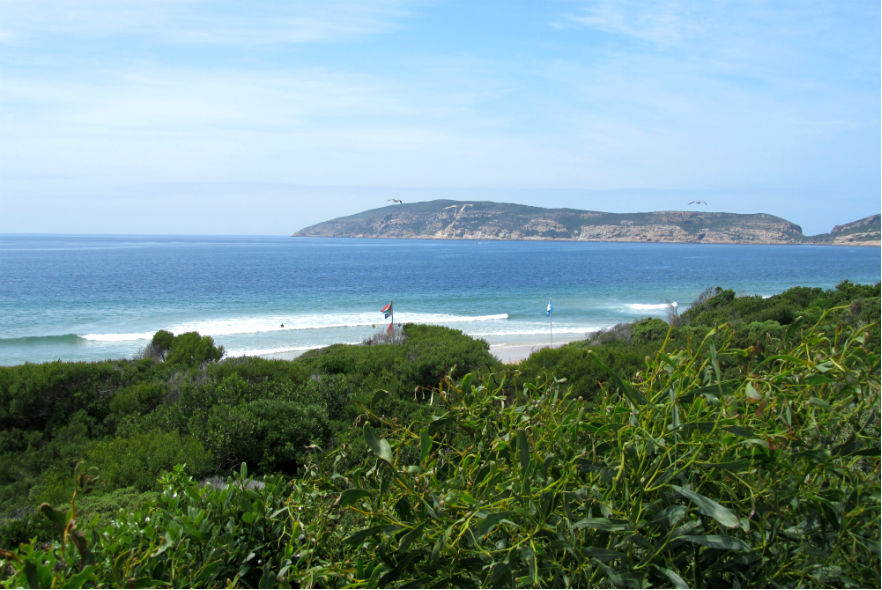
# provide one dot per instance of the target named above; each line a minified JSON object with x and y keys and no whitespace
{"x":550,"y":329}
{"x":389,"y":312}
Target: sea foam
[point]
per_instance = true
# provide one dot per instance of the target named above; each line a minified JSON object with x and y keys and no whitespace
{"x":282,"y":323}
{"x":641,"y":307}
{"x":125,"y":337}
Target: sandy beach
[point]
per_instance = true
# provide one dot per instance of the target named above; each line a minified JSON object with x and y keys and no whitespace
{"x":507,"y":353}
{"x":515,"y":353}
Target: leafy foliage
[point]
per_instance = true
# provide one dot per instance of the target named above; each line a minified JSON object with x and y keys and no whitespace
{"x":685,"y":478}
{"x":739,"y":453}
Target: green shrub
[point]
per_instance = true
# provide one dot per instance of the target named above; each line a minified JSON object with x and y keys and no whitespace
{"x":191,"y":350}
{"x":137,"y":461}
{"x":683,"y":479}
{"x":139,"y":398}
{"x":272,"y":435}
{"x":648,"y":330}
{"x":682,"y":476}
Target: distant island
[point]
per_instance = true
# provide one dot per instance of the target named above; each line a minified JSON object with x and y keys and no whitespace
{"x":486,"y":220}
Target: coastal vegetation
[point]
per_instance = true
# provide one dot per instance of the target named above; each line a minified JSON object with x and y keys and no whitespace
{"x":734,"y":445}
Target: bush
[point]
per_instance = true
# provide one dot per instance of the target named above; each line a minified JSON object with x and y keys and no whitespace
{"x":682,"y":476}
{"x":192,"y":350}
{"x":272,"y":435}
{"x":137,"y":461}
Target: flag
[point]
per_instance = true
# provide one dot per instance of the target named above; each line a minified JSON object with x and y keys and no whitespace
{"x":548,"y":309}
{"x":389,"y":329}
{"x":387,"y":311}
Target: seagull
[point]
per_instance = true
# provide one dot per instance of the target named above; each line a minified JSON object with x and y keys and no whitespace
{"x":394,"y":201}
{"x":698,"y":202}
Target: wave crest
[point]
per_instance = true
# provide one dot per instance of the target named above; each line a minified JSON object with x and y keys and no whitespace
{"x":639,"y":307}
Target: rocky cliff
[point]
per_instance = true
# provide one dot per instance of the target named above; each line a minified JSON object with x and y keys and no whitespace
{"x":482,"y":220}
{"x":863,"y":231}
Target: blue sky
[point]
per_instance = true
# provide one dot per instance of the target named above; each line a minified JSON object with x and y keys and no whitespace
{"x":261,"y":117}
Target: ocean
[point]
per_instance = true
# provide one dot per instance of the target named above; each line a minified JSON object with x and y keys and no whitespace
{"x":87,"y":298}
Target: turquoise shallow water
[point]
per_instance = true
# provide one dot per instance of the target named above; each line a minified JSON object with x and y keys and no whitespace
{"x":97,"y":297}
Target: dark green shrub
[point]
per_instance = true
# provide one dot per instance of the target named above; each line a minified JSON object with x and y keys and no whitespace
{"x":684,"y":478}
{"x":139,"y":398}
{"x":159,"y":345}
{"x":270,"y":434}
{"x":137,"y":461}
{"x":191,"y":350}
{"x":15,"y":531}
{"x":683,"y":475}
{"x":648,"y":330}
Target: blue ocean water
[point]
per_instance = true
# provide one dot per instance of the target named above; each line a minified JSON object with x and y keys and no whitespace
{"x":99,"y":297}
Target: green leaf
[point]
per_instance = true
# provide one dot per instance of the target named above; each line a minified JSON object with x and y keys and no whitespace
{"x":816,"y":401}
{"x":353,"y":495}
{"x":708,"y":507}
{"x":752,"y":394}
{"x":378,"y":395}
{"x":358,"y":537}
{"x":733,"y":466}
{"x":425,"y":444}
{"x":870,"y":452}
{"x":621,"y":579}
{"x":671,"y":515}
{"x":718,"y":542}
{"x":407,"y":538}
{"x":267,"y":580}
{"x":632,"y":394}
{"x":402,"y":508}
{"x":440,"y":423}
{"x":524,"y":449}
{"x":83,"y":579}
{"x":375,"y":575}
{"x":380,"y":446}
{"x":499,"y":575}
{"x":743,"y":431}
{"x":490,"y":521}
{"x":143,"y":582}
{"x":715,"y":361}
{"x":722,"y":388}
{"x":675,"y":579}
{"x":601,"y":554}
{"x":705,"y":426}
{"x":825,"y":366}
{"x":603,"y":524}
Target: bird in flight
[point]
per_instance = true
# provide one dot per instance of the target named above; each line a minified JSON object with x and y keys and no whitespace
{"x":394,"y":201}
{"x":698,"y":202}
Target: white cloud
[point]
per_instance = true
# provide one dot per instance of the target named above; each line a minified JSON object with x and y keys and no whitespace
{"x":671,"y":96}
{"x":302,"y":125}
{"x":660,"y":22}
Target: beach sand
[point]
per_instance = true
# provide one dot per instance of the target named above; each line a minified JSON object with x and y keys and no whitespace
{"x":507,"y":353}
{"x":515,"y":353}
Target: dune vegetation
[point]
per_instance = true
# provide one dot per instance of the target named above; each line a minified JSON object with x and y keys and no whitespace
{"x":735,"y":445}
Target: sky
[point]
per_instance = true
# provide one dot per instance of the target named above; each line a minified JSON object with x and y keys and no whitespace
{"x":263,"y":117}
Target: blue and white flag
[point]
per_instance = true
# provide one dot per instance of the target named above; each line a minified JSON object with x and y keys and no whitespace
{"x":548,"y":309}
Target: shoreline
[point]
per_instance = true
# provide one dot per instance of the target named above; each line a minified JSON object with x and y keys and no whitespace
{"x":508,"y":353}
{"x":511,"y":354}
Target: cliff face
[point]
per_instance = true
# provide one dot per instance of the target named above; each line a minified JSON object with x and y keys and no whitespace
{"x":860,"y":232}
{"x":478,"y":220}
